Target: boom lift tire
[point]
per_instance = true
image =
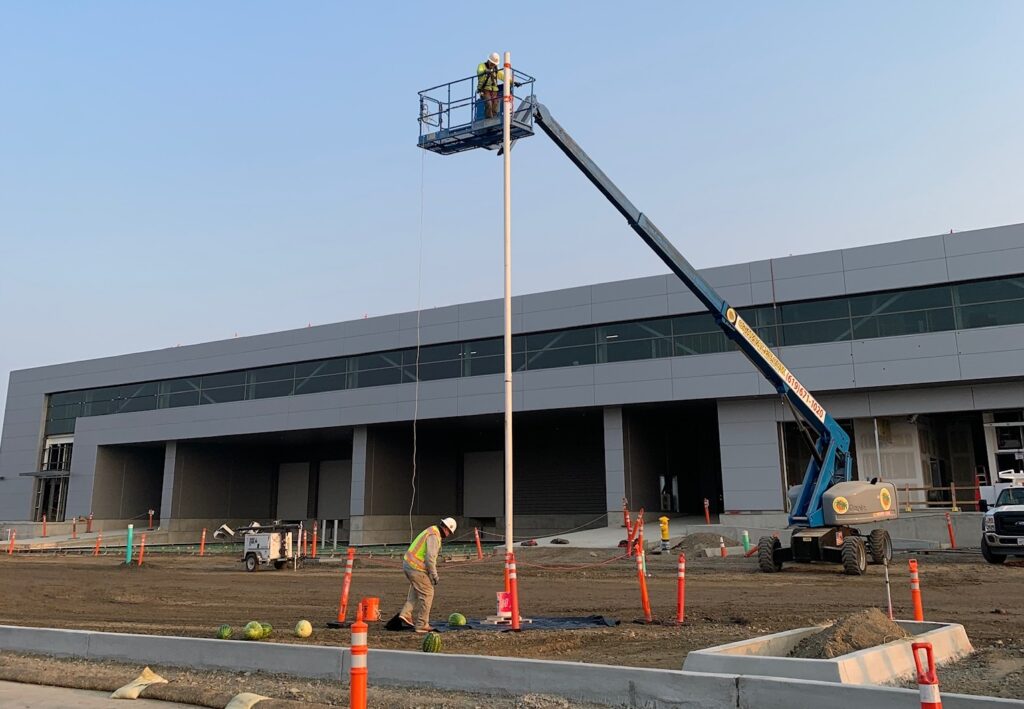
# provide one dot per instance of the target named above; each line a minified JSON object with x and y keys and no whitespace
{"x":880,"y":546}
{"x":855,"y":556}
{"x":990,"y":556}
{"x":766,"y":547}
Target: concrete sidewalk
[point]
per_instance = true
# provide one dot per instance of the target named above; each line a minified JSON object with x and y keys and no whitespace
{"x":14,"y":695}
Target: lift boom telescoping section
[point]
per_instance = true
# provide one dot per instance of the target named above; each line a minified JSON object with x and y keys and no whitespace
{"x":831,"y":461}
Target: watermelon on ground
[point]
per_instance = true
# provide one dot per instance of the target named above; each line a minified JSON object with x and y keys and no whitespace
{"x":303,"y":629}
{"x":267,"y":629}
{"x":224,"y":632}
{"x":432,"y":642}
{"x":253,"y":630}
{"x":456,"y":619}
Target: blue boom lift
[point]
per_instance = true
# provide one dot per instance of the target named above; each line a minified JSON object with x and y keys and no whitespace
{"x":829,"y":503}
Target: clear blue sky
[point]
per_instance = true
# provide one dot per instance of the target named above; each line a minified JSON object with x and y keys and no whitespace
{"x":180,"y":172}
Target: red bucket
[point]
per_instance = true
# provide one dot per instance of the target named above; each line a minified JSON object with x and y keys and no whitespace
{"x":504,"y":604}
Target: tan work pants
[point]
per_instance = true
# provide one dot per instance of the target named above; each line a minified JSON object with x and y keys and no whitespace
{"x":491,"y":109}
{"x":421,"y":597}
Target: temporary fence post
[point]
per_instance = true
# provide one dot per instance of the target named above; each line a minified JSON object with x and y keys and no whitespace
{"x":888,"y":588}
{"x":346,"y":584}
{"x":952,"y":494}
{"x":202,"y":543}
{"x":625,"y":514}
{"x":949,"y":528}
{"x":10,"y":545}
{"x":513,"y":583}
{"x":357,"y":689}
{"x":334,"y":539}
{"x":142,"y":548}
{"x":645,"y":602}
{"x":44,"y":525}
{"x":746,"y":541}
{"x":128,"y":545}
{"x":915,"y":591}
{"x":88,"y":524}
{"x":707,"y":511}
{"x":316,"y":528}
{"x":479,"y":548}
{"x":96,"y":548}
{"x":907,"y":507}
{"x":927,"y":679}
{"x":74,"y":527}
{"x":151,"y":513}
{"x":681,"y":590}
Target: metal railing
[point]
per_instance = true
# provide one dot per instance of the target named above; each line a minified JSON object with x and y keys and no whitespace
{"x":940,"y":498}
{"x":458,"y":104}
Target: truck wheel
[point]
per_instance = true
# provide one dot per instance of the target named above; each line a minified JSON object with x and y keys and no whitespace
{"x":766,"y":547}
{"x":855,"y":557}
{"x":880,"y":546}
{"x":990,"y":556}
{"x":250,"y":562}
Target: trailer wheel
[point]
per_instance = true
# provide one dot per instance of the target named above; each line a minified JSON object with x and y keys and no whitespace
{"x":766,"y":547}
{"x":250,"y":562}
{"x":880,"y":545}
{"x":855,"y":556}
{"x":990,"y":556}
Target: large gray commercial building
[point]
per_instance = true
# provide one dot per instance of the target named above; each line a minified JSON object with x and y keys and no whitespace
{"x":621,"y":389}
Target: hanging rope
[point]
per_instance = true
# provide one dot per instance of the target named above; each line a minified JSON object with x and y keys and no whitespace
{"x":419,"y":307}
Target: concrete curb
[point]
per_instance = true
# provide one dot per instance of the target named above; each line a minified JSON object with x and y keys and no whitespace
{"x":601,"y":684}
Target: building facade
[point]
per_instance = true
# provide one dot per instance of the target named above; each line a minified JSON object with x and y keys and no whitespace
{"x":621,"y":389}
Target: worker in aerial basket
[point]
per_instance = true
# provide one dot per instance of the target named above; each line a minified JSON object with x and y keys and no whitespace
{"x":489,"y":76}
{"x":420,"y":566}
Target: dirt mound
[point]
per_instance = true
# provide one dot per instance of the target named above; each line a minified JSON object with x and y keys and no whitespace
{"x":702,"y":541}
{"x":854,"y":632}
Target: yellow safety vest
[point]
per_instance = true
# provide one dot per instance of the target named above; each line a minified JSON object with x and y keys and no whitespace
{"x":416,"y":554}
{"x":488,"y":77}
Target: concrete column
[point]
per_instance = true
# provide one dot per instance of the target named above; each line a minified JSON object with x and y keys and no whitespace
{"x":614,"y":463}
{"x":748,"y":436}
{"x":357,"y":499}
{"x":167,"y":510}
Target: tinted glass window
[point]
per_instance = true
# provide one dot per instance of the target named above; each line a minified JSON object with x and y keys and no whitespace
{"x":481,"y":348}
{"x":438,"y":353}
{"x":561,"y":357}
{"x":175,"y":385}
{"x":138,"y":403}
{"x":822,"y":331}
{"x":820,"y":310}
{"x":213,"y":381}
{"x":268,"y":390}
{"x":565,"y":338}
{"x":703,"y":343}
{"x":625,"y":350}
{"x":376,"y":377}
{"x":271,"y":374}
{"x":312,"y":385}
{"x":1010,"y":312}
{"x":920,"y":299}
{"x":635,"y":331}
{"x":67,"y":397}
{"x":377,"y":361}
{"x":322,"y":368}
{"x":475,"y":366}
{"x":185,"y":398}
{"x":694,"y":323}
{"x":988,"y":291}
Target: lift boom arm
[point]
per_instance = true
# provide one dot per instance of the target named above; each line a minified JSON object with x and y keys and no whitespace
{"x":831,"y":461}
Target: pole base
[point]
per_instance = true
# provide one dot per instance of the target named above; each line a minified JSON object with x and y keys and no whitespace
{"x":337,"y":624}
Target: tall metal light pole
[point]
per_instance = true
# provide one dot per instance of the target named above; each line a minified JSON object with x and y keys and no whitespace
{"x":507,"y":151}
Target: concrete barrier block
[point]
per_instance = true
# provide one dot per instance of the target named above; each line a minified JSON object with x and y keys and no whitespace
{"x":604,"y":684}
{"x":44,"y":641}
{"x":298,"y":660}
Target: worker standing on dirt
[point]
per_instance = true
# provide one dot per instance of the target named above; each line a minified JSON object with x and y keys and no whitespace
{"x":420,"y":567}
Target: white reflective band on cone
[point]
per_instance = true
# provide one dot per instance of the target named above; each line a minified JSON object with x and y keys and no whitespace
{"x":914,"y":586}
{"x":358,"y":639}
{"x":359,"y":662}
{"x":930,"y":694}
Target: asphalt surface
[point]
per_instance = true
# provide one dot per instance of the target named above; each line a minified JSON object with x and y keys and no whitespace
{"x":14,"y":695}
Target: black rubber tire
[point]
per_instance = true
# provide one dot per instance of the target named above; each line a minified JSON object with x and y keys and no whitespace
{"x":766,"y":547}
{"x":250,"y":562}
{"x":279,"y":564}
{"x":880,"y":546}
{"x":990,"y":556}
{"x":855,"y":556}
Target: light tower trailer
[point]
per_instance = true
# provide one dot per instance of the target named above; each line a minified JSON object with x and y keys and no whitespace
{"x":830,"y":501}
{"x":268,"y":545}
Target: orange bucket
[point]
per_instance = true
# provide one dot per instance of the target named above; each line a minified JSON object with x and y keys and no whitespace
{"x":371,"y":608}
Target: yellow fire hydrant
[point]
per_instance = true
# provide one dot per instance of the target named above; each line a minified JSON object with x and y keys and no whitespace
{"x":663,"y":523}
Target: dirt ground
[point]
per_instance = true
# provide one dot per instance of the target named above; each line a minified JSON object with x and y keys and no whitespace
{"x":726,"y":600}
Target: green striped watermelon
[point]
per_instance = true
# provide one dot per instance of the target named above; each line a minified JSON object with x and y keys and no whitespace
{"x":432,"y":643}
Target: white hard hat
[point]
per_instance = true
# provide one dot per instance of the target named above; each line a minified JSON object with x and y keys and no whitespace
{"x":449,"y":523}
{"x":495,"y":58}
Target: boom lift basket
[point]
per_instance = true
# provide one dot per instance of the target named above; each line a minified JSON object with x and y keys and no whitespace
{"x":453,"y":116}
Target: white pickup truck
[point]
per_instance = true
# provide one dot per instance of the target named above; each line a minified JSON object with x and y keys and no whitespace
{"x":1003,"y":526}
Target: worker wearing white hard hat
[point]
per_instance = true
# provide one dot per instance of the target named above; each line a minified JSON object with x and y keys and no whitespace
{"x":420,"y":567}
{"x":488,"y":80}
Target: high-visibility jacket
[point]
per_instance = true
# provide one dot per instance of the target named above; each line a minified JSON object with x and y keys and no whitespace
{"x":488,"y":77}
{"x":416,"y":556}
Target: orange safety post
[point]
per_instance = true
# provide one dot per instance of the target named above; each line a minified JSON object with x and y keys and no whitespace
{"x":44,"y":525}
{"x":346,"y":585}
{"x":927,"y":679}
{"x":645,"y":601}
{"x":357,"y":678}
{"x":479,"y":548}
{"x":721,"y":547}
{"x":10,"y":546}
{"x":625,"y":515}
{"x":915,"y":591}
{"x":513,"y":584}
{"x":96,"y":547}
{"x":142,"y":548}
{"x":681,"y":590}
{"x":707,"y":511}
{"x":949,"y":528}
{"x":202,"y":543}
{"x":315,"y":530}
{"x":508,"y":583}
{"x":74,"y":527}
{"x":88,"y":524}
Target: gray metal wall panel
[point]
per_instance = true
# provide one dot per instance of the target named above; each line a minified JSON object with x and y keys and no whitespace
{"x":1005,"y":395}
{"x":984,"y":265}
{"x":927,"y":248}
{"x":557,"y":318}
{"x":990,"y":339}
{"x":631,"y":309}
{"x":1010,"y":236}
{"x":631,"y":392}
{"x":921,"y":401}
{"x":651,"y":286}
{"x":802,"y":265}
{"x":825,"y":285}
{"x":625,"y":372}
{"x":908,"y":371}
{"x":886,"y":349}
{"x":898,"y":275}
